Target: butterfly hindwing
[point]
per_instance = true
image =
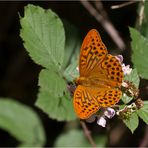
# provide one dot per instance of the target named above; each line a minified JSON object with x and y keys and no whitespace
{"x":108,"y":97}
{"x":84,"y":102}
{"x":93,"y":51}
{"x":88,"y":101}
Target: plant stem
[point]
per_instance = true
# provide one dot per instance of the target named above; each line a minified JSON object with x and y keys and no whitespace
{"x":87,"y":134}
{"x":123,"y":4}
{"x":104,"y":21}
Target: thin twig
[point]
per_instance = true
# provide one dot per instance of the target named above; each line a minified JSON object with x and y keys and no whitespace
{"x":123,"y":5}
{"x":140,"y":17}
{"x":87,"y":134}
{"x":105,"y":23}
{"x":141,"y":12}
{"x":99,"y":7}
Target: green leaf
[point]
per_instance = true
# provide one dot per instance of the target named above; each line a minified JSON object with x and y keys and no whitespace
{"x":73,"y":43}
{"x":53,"y":97}
{"x":132,"y":122}
{"x":76,"y":138}
{"x":143,"y":112}
{"x":43,"y":35}
{"x":51,"y":82}
{"x":140,"y":52}
{"x":21,"y":122}
{"x":71,"y":72}
{"x":134,"y":78}
{"x":125,"y":98}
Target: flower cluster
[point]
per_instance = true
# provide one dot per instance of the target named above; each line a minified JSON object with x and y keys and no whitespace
{"x":126,"y":69}
{"x":101,"y":119}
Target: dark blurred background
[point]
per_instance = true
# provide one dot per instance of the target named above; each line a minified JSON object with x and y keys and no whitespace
{"x":19,"y":74}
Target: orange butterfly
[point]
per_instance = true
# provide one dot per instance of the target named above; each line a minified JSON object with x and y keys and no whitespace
{"x":101,"y":76}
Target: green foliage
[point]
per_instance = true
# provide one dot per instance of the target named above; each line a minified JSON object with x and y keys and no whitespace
{"x":21,"y":122}
{"x":125,"y":98}
{"x":71,"y":72}
{"x":72,"y":45}
{"x":134,"y":78}
{"x":76,"y":138}
{"x":132,"y":122}
{"x":140,"y":52}
{"x":53,"y":97}
{"x":143,"y":112}
{"x":44,"y":37}
{"x":72,"y":49}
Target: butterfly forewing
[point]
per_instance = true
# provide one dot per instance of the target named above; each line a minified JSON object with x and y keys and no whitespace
{"x":93,"y":51}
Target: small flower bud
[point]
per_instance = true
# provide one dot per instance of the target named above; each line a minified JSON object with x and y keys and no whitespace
{"x":101,"y":121}
{"x":109,"y":113}
{"x":126,"y":69}
{"x":124,"y":84}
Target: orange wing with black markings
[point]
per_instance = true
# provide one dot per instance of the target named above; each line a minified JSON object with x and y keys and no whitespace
{"x":92,"y":53}
{"x":101,"y":76}
{"x":88,"y":101}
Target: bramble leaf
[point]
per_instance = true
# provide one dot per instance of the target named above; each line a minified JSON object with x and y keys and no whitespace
{"x":143,"y":112}
{"x":21,"y":122}
{"x":132,"y":122}
{"x":53,"y":97}
{"x":140,"y":52}
{"x":71,"y":71}
{"x":43,"y":35}
{"x":134,"y":78}
{"x":72,"y":45}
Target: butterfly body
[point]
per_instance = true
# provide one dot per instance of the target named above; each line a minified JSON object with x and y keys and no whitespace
{"x":92,"y":82}
{"x":100,"y":78}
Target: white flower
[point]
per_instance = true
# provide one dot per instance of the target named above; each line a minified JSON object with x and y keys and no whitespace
{"x":77,"y":68}
{"x":124,"y":84}
{"x":126,"y":69}
{"x":101,"y":121}
{"x":109,"y":113}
